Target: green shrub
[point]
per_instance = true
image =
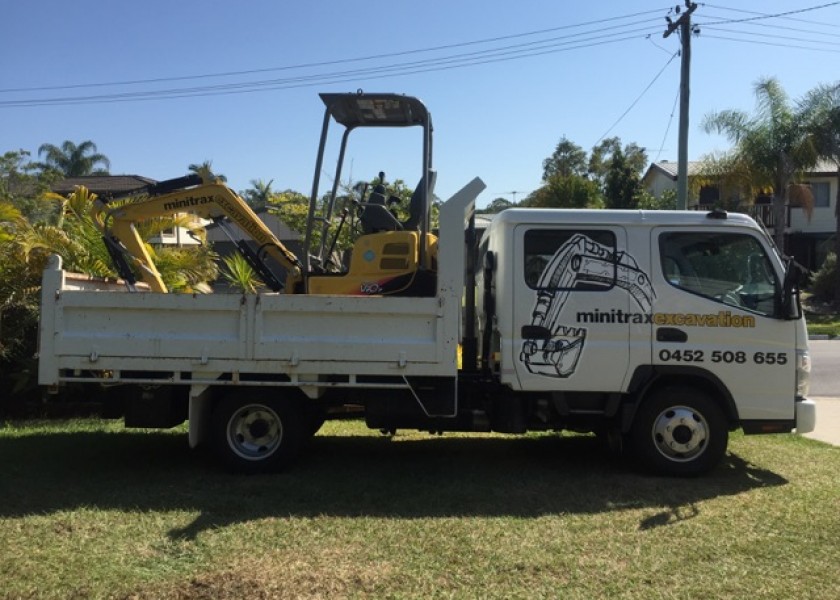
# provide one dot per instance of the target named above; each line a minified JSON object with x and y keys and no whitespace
{"x":825,"y":281}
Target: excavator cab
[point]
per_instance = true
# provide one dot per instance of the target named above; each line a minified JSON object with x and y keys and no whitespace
{"x":390,"y":256}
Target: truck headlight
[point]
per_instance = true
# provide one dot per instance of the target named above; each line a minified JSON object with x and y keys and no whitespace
{"x":803,"y":372}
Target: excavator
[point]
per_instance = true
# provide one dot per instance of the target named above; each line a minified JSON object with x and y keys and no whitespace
{"x":389,"y":256}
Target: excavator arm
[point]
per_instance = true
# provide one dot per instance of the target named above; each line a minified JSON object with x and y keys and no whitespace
{"x":192,"y":195}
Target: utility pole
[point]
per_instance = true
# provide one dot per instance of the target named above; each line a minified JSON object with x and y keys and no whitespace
{"x":684,"y":25}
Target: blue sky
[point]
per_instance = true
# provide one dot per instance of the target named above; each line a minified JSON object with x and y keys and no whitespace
{"x":497,"y":120}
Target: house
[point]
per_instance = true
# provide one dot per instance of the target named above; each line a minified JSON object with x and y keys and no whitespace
{"x":808,"y":238}
{"x":223,"y":245}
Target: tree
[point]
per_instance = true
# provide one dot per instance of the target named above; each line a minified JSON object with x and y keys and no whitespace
{"x":775,"y":143}
{"x":618,"y":170}
{"x":74,"y":161}
{"x":822,"y":107}
{"x":603,"y":154}
{"x":23,"y":183}
{"x":259,"y":193}
{"x":568,"y":159}
{"x":205,"y":170}
{"x":497,"y":205}
{"x":566,"y":191}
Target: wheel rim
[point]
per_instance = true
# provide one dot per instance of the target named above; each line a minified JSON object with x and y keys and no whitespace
{"x":680,"y":433}
{"x":254,"y":432}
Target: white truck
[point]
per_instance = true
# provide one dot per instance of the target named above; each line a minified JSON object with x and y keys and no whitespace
{"x":663,"y":331}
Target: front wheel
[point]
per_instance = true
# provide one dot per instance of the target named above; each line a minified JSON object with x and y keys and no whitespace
{"x":256,"y":435}
{"x":680,"y":431}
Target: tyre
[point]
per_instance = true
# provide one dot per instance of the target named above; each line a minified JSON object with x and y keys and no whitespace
{"x":679,"y":431}
{"x":256,"y":435}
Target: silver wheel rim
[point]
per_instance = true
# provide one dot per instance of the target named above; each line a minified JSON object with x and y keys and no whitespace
{"x":254,"y":432}
{"x":680,"y":433}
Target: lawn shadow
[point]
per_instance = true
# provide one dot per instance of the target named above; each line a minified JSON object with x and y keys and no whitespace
{"x":349,"y":477}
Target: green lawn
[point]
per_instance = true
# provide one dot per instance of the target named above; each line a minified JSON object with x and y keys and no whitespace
{"x":823,"y":325}
{"x":90,"y":510}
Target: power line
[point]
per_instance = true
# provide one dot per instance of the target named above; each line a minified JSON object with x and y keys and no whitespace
{"x":773,"y":16}
{"x":753,"y":12}
{"x":639,"y":97}
{"x":542,"y":47}
{"x":776,"y":37}
{"x":338,"y":61}
{"x":797,"y":47}
{"x":774,"y":26}
{"x":668,"y":128}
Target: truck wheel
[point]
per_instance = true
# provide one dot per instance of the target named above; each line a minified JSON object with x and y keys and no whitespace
{"x":256,"y":435}
{"x":679,"y":431}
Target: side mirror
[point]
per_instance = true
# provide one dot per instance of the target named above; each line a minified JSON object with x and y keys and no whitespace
{"x":791,"y":307}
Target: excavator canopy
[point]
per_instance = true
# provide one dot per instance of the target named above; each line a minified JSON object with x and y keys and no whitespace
{"x":372,"y":110}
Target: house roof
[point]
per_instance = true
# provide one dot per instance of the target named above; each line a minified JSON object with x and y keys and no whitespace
{"x":103,"y":185}
{"x":668,"y":168}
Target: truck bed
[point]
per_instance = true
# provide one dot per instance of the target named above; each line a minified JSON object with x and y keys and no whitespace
{"x":94,"y":330}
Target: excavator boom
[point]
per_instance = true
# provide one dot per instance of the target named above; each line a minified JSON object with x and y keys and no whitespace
{"x":195,"y":196}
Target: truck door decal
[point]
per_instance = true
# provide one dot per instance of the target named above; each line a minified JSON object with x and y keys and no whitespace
{"x":552,"y":348}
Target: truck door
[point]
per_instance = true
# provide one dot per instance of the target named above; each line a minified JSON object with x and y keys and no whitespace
{"x":578,"y":293}
{"x":716,"y":310}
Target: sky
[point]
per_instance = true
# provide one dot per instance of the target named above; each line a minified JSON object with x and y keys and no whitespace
{"x":504,"y":81}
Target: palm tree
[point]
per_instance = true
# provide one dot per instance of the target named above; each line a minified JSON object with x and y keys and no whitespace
{"x":257,"y":196}
{"x":72,"y":160}
{"x":774,"y":143}
{"x":205,"y":170}
{"x":822,"y":105}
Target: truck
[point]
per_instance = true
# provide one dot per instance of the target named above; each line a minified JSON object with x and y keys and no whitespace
{"x":660,"y":331}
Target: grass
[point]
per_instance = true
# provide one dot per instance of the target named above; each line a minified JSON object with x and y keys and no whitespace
{"x":823,"y":324}
{"x":89,"y":510}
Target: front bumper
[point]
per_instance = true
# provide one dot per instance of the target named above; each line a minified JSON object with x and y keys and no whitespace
{"x":806,"y":415}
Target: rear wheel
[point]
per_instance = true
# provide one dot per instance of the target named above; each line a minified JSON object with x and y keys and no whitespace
{"x":680,"y":431}
{"x":256,"y":435}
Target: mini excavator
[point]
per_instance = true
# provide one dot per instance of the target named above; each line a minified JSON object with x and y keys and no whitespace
{"x":389,"y":256}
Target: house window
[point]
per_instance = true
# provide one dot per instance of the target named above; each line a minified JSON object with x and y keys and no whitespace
{"x":821,"y":193}
{"x":709,"y":194}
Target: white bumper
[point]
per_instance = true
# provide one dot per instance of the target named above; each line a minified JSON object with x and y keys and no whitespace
{"x":806,"y":416}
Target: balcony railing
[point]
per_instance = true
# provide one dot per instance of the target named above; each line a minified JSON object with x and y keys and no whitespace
{"x":759,"y":212}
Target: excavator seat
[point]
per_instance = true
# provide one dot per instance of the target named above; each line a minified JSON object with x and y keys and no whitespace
{"x":376,"y":218}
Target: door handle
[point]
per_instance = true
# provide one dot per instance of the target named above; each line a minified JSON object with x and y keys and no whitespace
{"x":669,"y":334}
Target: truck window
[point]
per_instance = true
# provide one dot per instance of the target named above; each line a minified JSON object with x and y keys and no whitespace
{"x":730,"y":268}
{"x":544,"y":246}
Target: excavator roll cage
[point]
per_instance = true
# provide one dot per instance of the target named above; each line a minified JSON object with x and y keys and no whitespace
{"x":360,"y":110}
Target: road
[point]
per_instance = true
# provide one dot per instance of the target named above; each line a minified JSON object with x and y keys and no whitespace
{"x":825,"y":389}
{"x":825,"y":368}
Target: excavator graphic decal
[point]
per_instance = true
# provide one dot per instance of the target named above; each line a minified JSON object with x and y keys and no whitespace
{"x":552,"y":348}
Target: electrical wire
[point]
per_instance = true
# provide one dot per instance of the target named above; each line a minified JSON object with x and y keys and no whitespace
{"x":775,"y":37}
{"x":772,"y":26}
{"x":340,"y":61}
{"x":668,"y":128}
{"x":773,"y":16}
{"x":753,"y":12}
{"x":494,"y":55}
{"x":639,"y":97}
{"x":794,"y":46}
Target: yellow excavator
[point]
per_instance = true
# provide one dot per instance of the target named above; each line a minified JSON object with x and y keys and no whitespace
{"x":389,"y":256}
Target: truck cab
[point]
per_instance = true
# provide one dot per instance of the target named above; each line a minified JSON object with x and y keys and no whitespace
{"x":610,"y":313}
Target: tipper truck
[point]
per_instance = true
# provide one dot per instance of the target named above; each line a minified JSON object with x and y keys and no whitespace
{"x":661,"y":331}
